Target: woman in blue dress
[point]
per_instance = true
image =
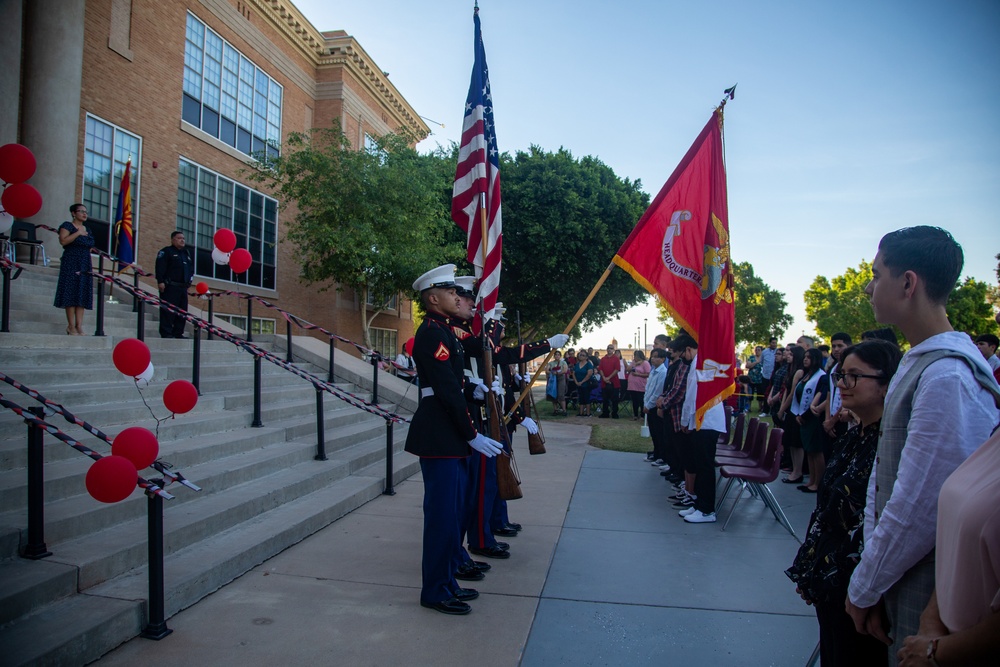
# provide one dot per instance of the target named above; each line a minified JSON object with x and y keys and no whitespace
{"x":75,"y":290}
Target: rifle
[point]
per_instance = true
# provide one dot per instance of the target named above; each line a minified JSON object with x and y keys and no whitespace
{"x":536,"y":441}
{"x":508,"y":481}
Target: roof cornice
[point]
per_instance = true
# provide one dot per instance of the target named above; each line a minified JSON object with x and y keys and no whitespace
{"x":340,"y":51}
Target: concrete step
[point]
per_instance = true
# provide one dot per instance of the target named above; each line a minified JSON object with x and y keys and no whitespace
{"x":72,"y":631}
{"x":26,"y":585}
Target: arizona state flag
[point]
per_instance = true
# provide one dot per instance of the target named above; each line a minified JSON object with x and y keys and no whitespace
{"x":125,"y":239}
{"x":679,"y":251}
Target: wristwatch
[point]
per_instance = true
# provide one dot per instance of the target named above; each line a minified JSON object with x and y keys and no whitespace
{"x":932,"y":647}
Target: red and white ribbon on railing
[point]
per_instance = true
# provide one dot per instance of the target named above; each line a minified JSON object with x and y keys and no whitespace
{"x":51,"y":406}
{"x":148,"y":487}
{"x":347,"y":397}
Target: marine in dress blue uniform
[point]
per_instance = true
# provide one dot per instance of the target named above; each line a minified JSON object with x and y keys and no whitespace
{"x":174,"y":272}
{"x":442,"y":435}
{"x":482,"y":470}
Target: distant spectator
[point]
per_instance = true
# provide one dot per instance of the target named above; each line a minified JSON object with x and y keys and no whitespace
{"x":768,"y":357}
{"x":637,"y":381}
{"x":75,"y":289}
{"x":583,"y":371}
{"x":885,"y":333}
{"x":987,"y":344}
{"x":559,"y":369}
{"x":405,"y":369}
{"x":608,"y":368}
{"x":755,"y":372}
{"x":806,"y":342}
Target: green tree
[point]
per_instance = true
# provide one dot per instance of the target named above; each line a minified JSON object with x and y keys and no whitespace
{"x":841,"y":304}
{"x":760,"y":309}
{"x":370,"y":220}
{"x":969,"y":310}
{"x":563,"y":220}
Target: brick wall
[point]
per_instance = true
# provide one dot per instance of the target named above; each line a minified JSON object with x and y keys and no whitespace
{"x":144,"y":96}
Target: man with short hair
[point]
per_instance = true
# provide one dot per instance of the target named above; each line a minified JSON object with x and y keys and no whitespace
{"x":805,"y":342}
{"x":987,"y":344}
{"x":939,"y":407}
{"x":661,"y":341}
{"x":767,"y":361}
{"x":442,"y":434}
{"x":834,"y":423}
{"x":654,"y":387}
{"x":608,"y":368}
{"x":174,"y":273}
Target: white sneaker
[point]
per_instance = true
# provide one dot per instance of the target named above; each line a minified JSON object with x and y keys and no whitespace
{"x":664,"y":468}
{"x":700,"y":517}
{"x":687,"y":512}
{"x":657,"y":463}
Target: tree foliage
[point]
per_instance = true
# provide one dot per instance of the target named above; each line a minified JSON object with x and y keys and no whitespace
{"x":370,"y":220}
{"x":969,"y":310}
{"x":841,"y":304}
{"x":760,"y":309}
{"x":563,"y":220}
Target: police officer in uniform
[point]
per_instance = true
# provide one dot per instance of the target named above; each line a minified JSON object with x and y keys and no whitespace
{"x":441,"y":433}
{"x":174,"y":272}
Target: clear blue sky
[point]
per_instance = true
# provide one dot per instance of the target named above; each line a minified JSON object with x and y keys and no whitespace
{"x":851,"y":118}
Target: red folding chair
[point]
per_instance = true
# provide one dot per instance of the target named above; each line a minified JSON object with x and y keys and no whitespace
{"x":756,"y":479}
{"x":752,"y":454}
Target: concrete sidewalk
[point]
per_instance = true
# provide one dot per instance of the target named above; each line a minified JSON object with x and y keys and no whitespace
{"x":604,"y":573}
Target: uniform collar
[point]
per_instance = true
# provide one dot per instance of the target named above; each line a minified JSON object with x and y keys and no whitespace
{"x":438,"y":317}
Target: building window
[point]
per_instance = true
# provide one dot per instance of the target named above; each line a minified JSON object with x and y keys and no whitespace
{"x":385,"y":304}
{"x":106,"y":149}
{"x":226,"y":95}
{"x":261,"y":325}
{"x":207,"y":202}
{"x":384,"y":341}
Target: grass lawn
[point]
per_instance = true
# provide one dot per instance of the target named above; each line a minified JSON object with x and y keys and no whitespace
{"x":620,"y":435}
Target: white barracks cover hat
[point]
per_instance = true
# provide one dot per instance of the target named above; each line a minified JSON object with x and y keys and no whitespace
{"x":466,"y":285}
{"x":442,"y":276}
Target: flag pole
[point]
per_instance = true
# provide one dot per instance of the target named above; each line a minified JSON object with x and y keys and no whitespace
{"x":569,"y":328}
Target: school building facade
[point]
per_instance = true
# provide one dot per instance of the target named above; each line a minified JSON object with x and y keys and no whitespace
{"x":189,"y":89}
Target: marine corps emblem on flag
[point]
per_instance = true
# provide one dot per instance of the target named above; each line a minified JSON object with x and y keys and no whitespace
{"x":442,"y":353}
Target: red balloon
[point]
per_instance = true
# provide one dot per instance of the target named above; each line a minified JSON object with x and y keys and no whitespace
{"x":111,"y":479}
{"x":240,"y":260}
{"x":21,"y":200}
{"x":201,"y":288}
{"x":138,"y":445}
{"x":180,"y":396}
{"x":17,"y":163}
{"x":225,"y":240}
{"x":131,"y":357}
{"x":408,"y":346}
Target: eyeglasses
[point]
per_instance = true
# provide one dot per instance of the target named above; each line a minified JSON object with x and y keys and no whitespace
{"x":850,"y":380}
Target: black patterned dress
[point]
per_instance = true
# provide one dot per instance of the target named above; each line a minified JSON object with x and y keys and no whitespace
{"x":832,"y":549}
{"x":75,"y":289}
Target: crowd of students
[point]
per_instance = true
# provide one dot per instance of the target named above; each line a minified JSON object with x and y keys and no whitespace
{"x":901,"y":559}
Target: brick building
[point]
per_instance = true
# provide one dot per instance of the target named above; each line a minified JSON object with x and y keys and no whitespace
{"x":189,"y":89}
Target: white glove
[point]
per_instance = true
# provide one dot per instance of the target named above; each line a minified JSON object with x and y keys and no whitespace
{"x":488,"y":447}
{"x":497,"y":387}
{"x":518,"y":378}
{"x":530,"y":424}
{"x":557,"y":341}
{"x":479,"y":393}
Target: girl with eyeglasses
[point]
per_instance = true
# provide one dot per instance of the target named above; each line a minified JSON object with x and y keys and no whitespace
{"x":831,"y":550}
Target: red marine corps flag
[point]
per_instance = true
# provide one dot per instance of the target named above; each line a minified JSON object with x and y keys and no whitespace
{"x":679,"y":251}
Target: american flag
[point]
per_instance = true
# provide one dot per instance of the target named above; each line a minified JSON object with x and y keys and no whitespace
{"x":477,"y":180}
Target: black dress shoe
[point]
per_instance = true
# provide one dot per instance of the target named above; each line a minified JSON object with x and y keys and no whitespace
{"x":452,"y":606}
{"x":516,"y":526}
{"x":469,"y":574}
{"x":466,"y":594}
{"x":491,"y":552}
{"x":479,"y":565}
{"x":503,"y":545}
{"x":505,"y":532}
